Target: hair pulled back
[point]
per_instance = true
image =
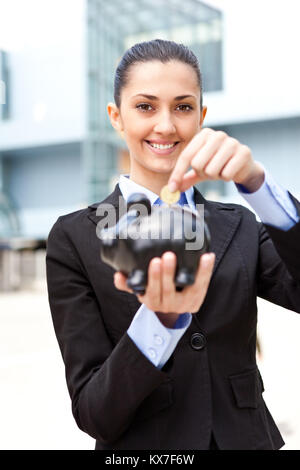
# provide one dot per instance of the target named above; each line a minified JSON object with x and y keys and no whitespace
{"x":156,"y":49}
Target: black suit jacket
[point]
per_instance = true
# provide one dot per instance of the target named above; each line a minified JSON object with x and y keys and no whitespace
{"x":118,"y":396}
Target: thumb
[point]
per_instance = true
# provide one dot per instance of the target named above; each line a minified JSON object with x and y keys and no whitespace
{"x":120,"y":281}
{"x":189,"y":179}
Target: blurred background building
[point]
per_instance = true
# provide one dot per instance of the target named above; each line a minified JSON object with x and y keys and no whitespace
{"x":58,"y":151}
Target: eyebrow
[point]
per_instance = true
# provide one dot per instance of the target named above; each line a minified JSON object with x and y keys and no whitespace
{"x":177,"y":98}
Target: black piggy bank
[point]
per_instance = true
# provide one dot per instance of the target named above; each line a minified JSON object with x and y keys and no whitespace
{"x":145,"y":232}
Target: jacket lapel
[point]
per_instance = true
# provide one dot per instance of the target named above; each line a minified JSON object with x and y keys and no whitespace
{"x":222,"y":219}
{"x":115,"y":199}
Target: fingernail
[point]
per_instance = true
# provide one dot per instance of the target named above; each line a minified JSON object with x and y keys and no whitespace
{"x":208,"y":258}
{"x":155,"y":264}
{"x":172,"y":186}
{"x":205,"y":260}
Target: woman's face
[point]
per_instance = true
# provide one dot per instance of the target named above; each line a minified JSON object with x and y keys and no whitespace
{"x":159,"y":115}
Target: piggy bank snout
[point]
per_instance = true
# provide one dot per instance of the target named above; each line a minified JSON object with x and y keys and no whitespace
{"x":137,"y":199}
{"x":108,"y":239}
{"x":144,"y":232}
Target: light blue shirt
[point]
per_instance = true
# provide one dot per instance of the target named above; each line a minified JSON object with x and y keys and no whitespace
{"x":274,"y":207}
{"x":272,"y":204}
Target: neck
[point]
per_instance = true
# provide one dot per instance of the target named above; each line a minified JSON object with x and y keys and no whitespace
{"x":154,"y":181}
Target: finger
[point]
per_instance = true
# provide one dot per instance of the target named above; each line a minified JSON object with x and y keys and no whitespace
{"x":120,"y":281}
{"x":199,"y":289}
{"x":204,"y":272}
{"x":190,"y":179}
{"x":238,"y":165}
{"x":215,"y":166}
{"x":185,"y":158}
{"x":152,"y":295}
{"x":168,"y":286}
{"x":207,"y":152}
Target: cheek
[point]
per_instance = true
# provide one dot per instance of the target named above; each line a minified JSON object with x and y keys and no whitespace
{"x":136,"y":126}
{"x":139,"y":132}
{"x":188,"y":128}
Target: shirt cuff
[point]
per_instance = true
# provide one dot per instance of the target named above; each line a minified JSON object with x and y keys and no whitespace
{"x":153,"y":339}
{"x":272,"y":203}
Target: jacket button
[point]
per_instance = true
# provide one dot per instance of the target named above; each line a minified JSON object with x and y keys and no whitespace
{"x":198,"y":341}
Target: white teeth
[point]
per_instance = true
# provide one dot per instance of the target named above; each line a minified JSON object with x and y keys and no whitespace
{"x":159,"y":146}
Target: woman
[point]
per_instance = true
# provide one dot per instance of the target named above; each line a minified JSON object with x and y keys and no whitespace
{"x":174,"y":370}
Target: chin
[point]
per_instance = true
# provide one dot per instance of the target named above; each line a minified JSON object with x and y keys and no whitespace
{"x":163,"y":171}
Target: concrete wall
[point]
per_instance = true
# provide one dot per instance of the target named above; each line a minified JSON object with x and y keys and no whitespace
{"x":261,"y":70}
{"x":46,"y":45}
{"x":276,"y":144}
{"x":43,"y":184}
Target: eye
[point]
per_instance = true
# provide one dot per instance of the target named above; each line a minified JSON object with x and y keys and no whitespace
{"x":144,"y":106}
{"x":185,"y":107}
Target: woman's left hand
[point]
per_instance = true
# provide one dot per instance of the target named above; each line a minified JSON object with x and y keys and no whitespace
{"x":213,"y":155}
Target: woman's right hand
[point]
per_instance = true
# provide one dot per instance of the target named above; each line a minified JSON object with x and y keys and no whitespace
{"x":161,"y":295}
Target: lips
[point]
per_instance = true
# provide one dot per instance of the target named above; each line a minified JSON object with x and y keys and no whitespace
{"x":161,"y":142}
{"x":161,"y":147}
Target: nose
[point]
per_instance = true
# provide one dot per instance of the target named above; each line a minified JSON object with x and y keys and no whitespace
{"x":164,"y":124}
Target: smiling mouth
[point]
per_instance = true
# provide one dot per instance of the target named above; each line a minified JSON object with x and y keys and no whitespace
{"x":162,"y":146}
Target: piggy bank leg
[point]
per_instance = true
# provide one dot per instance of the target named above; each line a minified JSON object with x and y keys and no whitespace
{"x":137,"y":281}
{"x":184,"y":277}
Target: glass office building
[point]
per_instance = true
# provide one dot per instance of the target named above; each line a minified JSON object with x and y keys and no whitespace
{"x":115,"y":26}
{"x":58,"y":150}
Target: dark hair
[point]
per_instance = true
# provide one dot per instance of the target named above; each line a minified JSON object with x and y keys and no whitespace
{"x":157,"y":49}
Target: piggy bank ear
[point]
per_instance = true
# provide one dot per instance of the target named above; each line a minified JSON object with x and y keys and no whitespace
{"x":139,"y":198}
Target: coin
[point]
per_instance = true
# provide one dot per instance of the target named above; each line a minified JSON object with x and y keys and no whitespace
{"x":168,"y":197}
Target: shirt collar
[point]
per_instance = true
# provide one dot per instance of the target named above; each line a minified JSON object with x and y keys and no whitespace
{"x":127,"y":187}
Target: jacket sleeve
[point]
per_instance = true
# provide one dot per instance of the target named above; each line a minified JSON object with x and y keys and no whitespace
{"x":279,"y":264}
{"x":106,"y":384}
